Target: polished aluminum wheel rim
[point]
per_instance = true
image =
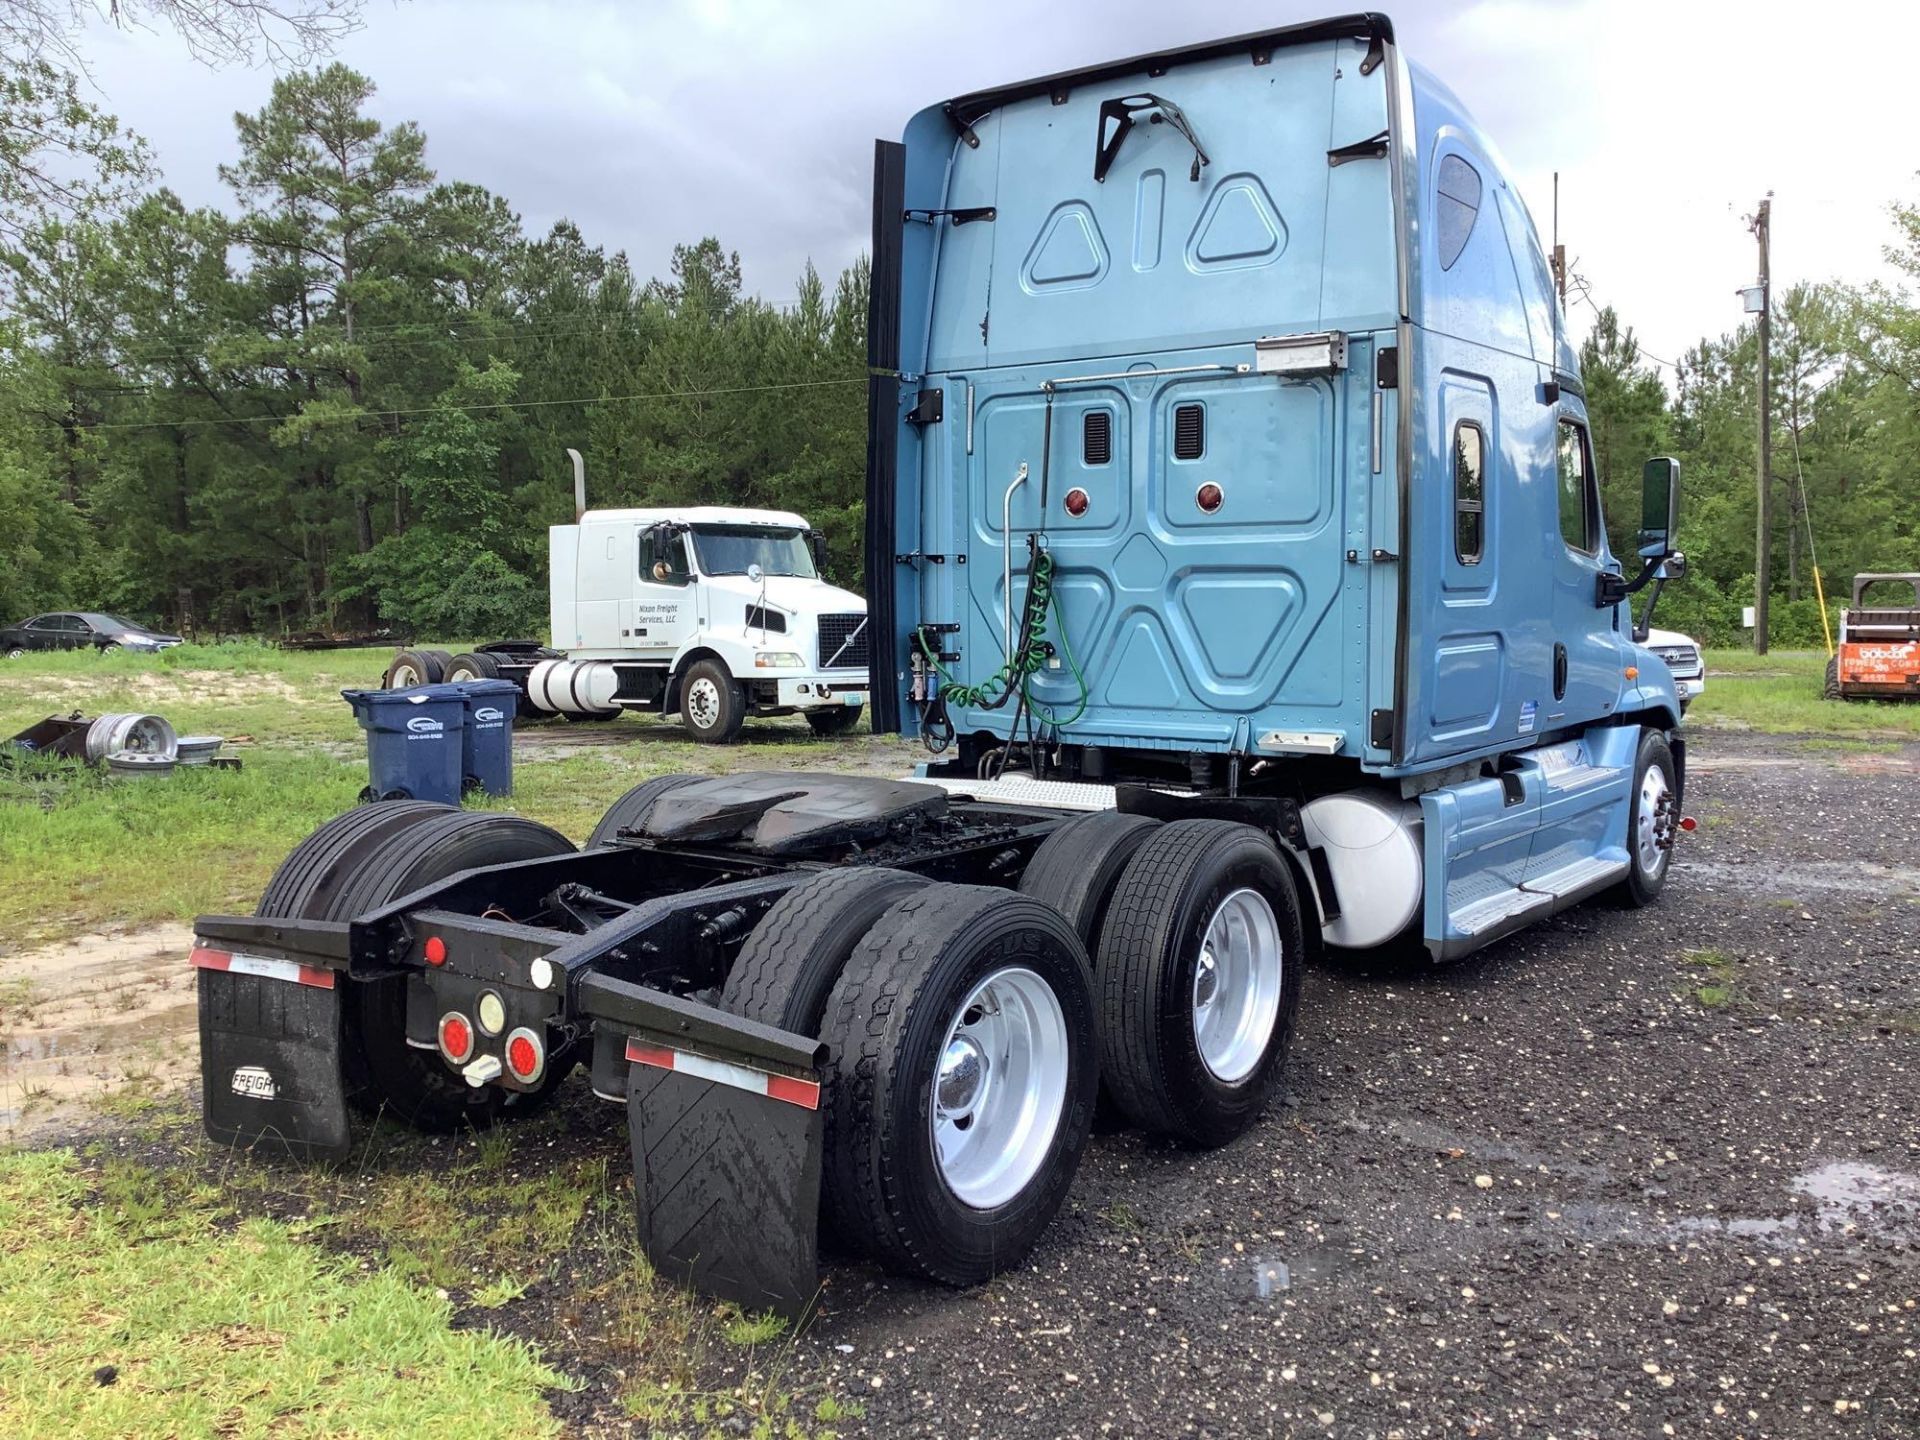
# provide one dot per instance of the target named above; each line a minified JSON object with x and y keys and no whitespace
{"x":703,"y":703}
{"x":1647,"y":838}
{"x":999,"y":1088}
{"x":1236,"y":986}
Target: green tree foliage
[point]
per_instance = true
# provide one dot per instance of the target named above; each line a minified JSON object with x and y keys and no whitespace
{"x":347,"y":401}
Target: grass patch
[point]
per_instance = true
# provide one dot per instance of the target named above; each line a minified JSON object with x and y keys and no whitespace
{"x":1714,"y":996}
{"x":1780,"y":694}
{"x":1711,"y":959}
{"x":211,"y":1330}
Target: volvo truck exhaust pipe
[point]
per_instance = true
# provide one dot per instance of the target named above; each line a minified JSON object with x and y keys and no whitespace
{"x":579,"y":484}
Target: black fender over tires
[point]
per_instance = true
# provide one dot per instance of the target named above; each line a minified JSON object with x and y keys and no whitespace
{"x":787,"y":967}
{"x":1150,"y":952}
{"x":1644,"y":882}
{"x":886,"y":1023}
{"x":1077,"y":866}
{"x":365,"y":859}
{"x":630,"y":811}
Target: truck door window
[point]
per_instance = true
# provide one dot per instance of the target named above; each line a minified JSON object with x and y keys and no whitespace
{"x":1469,"y":493}
{"x":663,"y":557}
{"x":1579,"y":506}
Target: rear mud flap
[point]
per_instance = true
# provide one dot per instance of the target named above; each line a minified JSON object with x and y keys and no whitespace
{"x":270,"y":1065}
{"x":270,"y":1056}
{"x":727,"y":1131}
{"x":726,"y":1187}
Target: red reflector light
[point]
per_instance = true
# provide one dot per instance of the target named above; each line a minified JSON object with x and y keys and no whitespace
{"x":525,"y":1058}
{"x":1689,"y":824}
{"x":1209,"y":497}
{"x":456,"y":1037}
{"x":1077,"y":502}
{"x":436,"y":949}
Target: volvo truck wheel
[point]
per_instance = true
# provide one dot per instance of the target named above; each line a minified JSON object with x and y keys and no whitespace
{"x":469,"y":665}
{"x":840,"y":720}
{"x":787,"y":968}
{"x":414,"y":667}
{"x":963,"y":1078}
{"x":384,"y":1074}
{"x":1077,"y":866}
{"x":711,"y":703}
{"x":1651,"y":819}
{"x":630,"y":811}
{"x":1200,"y":961}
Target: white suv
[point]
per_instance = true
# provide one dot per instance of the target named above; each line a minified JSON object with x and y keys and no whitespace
{"x":1683,"y":658}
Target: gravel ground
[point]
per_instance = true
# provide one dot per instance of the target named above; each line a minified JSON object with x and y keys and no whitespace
{"x":1626,"y":1174}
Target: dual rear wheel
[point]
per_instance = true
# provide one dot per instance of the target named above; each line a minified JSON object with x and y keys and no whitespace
{"x":968,"y":1030}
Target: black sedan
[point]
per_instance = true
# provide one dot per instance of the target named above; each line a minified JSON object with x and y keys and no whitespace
{"x":77,"y":629}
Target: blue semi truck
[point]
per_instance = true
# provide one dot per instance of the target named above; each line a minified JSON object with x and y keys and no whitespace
{"x":1235,"y":548}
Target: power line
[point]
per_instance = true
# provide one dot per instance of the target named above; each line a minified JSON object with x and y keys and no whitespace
{"x":489,"y":405}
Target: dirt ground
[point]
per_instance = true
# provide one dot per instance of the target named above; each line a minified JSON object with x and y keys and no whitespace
{"x":1625,"y":1174}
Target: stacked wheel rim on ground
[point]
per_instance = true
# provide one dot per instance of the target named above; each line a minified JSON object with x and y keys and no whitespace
{"x":127,"y":731}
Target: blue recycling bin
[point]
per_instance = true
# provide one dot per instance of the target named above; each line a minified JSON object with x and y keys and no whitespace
{"x":486,"y":737}
{"x":414,"y":748}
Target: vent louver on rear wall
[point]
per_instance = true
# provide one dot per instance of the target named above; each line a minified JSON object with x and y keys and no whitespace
{"x":1189,"y":432}
{"x":1096,"y":437}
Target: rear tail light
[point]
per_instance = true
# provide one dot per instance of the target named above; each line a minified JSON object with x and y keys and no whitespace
{"x":456,"y":1037}
{"x":526,"y":1056}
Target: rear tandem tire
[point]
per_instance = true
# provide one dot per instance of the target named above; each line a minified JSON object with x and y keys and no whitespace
{"x":631,"y":810}
{"x":375,"y":855}
{"x":787,"y":968}
{"x":1205,"y":914}
{"x":472,"y":665}
{"x":1077,"y":866}
{"x":981,"y":999}
{"x":840,"y":720}
{"x":414,"y":667}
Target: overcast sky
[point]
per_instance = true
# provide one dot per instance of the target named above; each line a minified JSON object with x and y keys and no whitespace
{"x":649,"y":123}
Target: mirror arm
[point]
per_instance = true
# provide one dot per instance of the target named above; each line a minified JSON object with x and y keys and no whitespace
{"x":1611,"y":589}
{"x":1644,"y":625}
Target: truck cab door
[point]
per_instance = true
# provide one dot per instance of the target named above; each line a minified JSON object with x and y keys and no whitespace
{"x":1586,"y":657}
{"x":660,"y":613}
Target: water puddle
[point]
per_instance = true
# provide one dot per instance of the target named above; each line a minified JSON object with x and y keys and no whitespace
{"x":1814,"y":877}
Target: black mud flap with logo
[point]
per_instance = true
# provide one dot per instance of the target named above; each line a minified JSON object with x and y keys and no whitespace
{"x":270,"y":1034}
{"x":725,"y":1120}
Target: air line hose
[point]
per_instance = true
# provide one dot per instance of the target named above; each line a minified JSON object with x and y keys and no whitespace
{"x":1015,"y":676}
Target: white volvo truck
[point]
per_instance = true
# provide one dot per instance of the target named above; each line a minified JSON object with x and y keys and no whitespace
{"x":708,"y":611}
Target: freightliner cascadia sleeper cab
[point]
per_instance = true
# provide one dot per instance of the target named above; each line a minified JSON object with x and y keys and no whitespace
{"x":1235,"y":546}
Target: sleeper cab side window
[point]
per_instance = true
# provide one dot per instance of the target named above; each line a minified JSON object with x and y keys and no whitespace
{"x":1456,"y":206}
{"x":1469,"y":493}
{"x":1579,"y":509}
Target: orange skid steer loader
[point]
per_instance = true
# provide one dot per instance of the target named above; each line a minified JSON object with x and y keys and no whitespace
{"x":1879,"y":654}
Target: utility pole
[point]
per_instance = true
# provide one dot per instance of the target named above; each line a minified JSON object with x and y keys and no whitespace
{"x":1761,"y":224}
